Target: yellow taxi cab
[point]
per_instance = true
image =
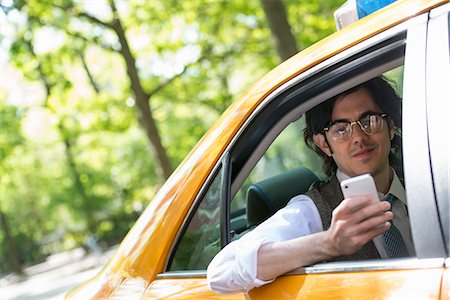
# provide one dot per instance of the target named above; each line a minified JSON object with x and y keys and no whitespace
{"x":257,"y":145}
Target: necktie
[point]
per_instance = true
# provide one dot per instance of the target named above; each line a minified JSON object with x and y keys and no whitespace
{"x":394,"y":242}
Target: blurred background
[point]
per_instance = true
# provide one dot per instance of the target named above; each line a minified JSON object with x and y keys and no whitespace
{"x":101,"y":100}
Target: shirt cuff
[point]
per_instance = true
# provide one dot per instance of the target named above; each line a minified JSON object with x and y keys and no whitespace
{"x":246,"y":264}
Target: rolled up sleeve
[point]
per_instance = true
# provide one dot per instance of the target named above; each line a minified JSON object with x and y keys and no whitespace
{"x":234,"y":268}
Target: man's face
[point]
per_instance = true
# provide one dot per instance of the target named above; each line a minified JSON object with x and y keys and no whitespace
{"x":361,"y":153}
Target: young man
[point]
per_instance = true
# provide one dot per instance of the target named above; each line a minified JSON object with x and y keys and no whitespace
{"x":355,"y":134}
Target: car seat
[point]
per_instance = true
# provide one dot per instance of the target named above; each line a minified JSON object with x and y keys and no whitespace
{"x":264,"y":198}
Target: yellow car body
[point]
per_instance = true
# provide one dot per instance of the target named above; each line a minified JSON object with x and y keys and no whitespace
{"x":135,"y":270}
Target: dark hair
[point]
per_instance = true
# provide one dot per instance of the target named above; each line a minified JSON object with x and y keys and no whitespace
{"x":385,"y":98}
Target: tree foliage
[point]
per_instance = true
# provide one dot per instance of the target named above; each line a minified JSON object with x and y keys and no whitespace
{"x":76,"y":157}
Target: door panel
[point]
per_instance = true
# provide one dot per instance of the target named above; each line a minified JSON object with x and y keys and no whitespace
{"x":401,"y":284}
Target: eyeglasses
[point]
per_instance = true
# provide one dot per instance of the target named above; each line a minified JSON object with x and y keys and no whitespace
{"x":341,"y":130}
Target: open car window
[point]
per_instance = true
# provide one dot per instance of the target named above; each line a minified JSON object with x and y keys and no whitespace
{"x":286,"y":169}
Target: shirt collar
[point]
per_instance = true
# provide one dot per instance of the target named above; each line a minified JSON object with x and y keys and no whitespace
{"x":395,"y":189}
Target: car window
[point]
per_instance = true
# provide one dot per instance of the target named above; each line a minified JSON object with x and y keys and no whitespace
{"x":287,"y":168}
{"x":201,"y":240}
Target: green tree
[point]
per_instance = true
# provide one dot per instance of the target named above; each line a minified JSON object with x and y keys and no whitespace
{"x":10,"y":138}
{"x":280,"y":28}
{"x":126,"y":89}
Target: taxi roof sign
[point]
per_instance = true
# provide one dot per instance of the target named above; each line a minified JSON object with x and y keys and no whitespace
{"x":353,"y":10}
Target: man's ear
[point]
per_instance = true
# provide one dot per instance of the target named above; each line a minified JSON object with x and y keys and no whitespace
{"x":391,"y":129}
{"x":319,"y":140}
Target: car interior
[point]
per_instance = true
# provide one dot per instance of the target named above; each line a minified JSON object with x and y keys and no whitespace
{"x":266,"y":197}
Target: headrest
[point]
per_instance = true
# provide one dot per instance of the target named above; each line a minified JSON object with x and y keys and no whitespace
{"x":264,"y":198}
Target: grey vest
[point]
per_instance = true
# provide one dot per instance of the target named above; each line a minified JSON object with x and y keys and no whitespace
{"x":327,"y":196}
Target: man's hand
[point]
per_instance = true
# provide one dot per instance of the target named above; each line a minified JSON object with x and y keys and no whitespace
{"x":355,"y":221}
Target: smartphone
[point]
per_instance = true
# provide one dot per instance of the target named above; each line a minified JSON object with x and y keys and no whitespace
{"x":360,"y":185}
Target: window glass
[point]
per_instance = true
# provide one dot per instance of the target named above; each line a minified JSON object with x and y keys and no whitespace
{"x":201,"y":240}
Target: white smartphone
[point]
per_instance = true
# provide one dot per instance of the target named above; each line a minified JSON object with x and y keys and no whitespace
{"x":360,"y":185}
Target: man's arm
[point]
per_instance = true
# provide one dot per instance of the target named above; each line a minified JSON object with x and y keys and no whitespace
{"x":354,"y":223}
{"x":234,"y":268}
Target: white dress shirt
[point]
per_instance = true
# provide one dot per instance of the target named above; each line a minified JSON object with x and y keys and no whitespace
{"x":233,"y":269}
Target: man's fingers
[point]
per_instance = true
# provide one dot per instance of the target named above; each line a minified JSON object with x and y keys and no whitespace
{"x":360,"y":240}
{"x":348,"y":206}
{"x":357,"y":220}
{"x":375,"y":231}
{"x":379,"y":221}
{"x":359,"y":208}
{"x":371,"y":210}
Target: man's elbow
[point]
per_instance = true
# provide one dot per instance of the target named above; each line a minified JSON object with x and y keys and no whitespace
{"x":218,"y":288}
{"x":218,"y":284}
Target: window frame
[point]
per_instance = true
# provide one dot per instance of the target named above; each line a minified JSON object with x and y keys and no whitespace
{"x":427,"y":234}
{"x":218,"y":170}
{"x":438,"y":98}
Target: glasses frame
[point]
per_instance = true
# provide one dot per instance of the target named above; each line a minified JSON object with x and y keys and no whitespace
{"x":381,"y":114}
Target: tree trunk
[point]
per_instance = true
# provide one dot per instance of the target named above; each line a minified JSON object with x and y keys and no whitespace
{"x":280,"y":28}
{"x":68,"y":151}
{"x":76,"y":176}
{"x":10,"y":245}
{"x":142,"y":101}
{"x":88,"y":73}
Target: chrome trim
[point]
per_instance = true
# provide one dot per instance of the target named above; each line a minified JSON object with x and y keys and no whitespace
{"x":372,"y":265}
{"x":182,"y":274}
{"x":224,"y":213}
{"x":340,"y":267}
{"x":425,"y":227}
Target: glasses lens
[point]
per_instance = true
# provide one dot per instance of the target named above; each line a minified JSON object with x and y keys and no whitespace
{"x":340,"y":130}
{"x":371,"y":124}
